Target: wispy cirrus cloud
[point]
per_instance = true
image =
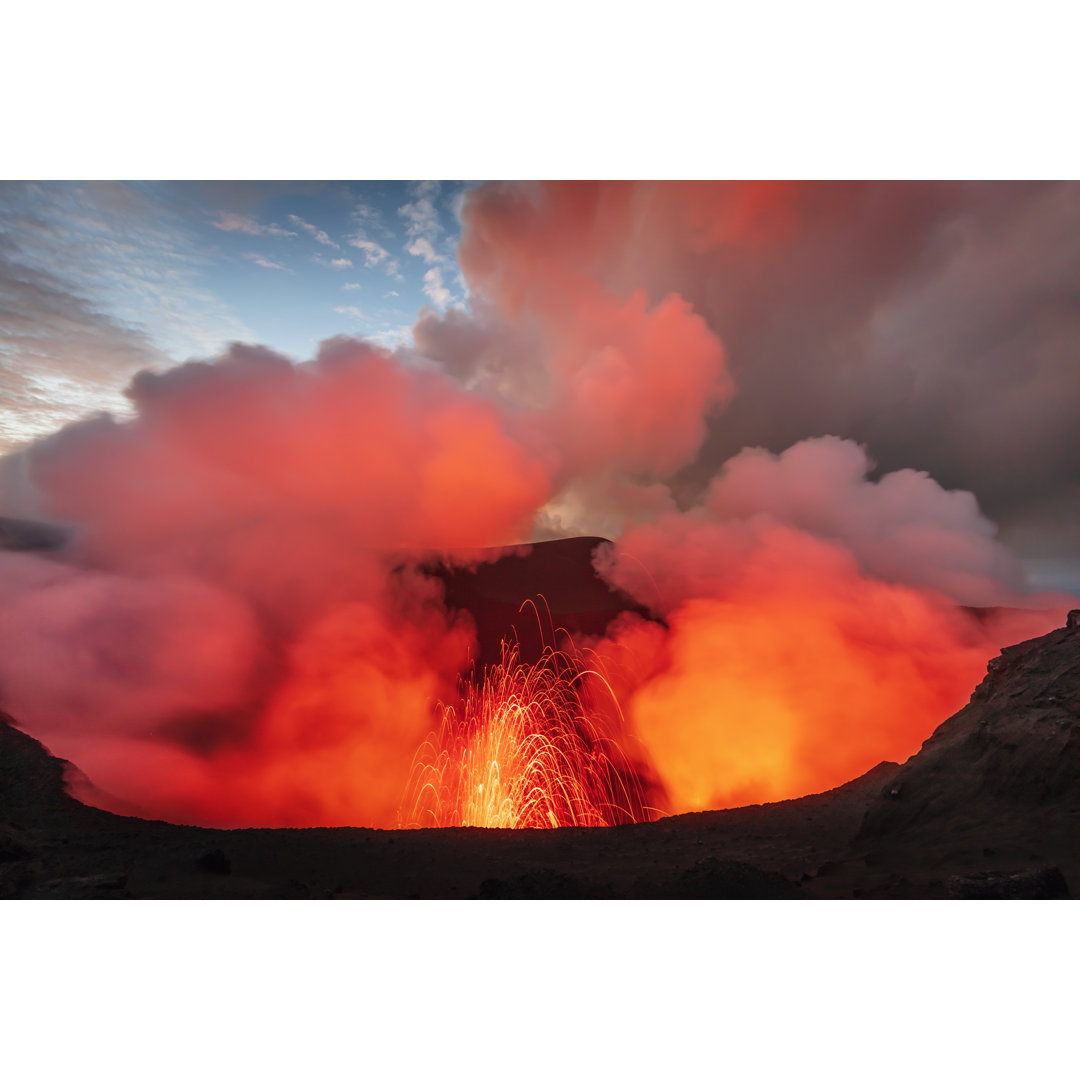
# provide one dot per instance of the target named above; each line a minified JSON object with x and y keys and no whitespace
{"x":60,"y":359}
{"x":97,"y":281}
{"x":391,"y":337}
{"x":334,"y":264}
{"x":376,"y":327}
{"x":365,"y":214}
{"x":420,"y":214}
{"x":268,"y":264}
{"x":375,"y":255}
{"x":241,"y":223}
{"x":317,"y":234}
{"x":366,"y":219}
{"x":423,"y":228}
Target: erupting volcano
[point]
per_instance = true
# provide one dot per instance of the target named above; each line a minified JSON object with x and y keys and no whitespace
{"x":528,"y":750}
{"x":276,"y":592}
{"x":384,"y":541}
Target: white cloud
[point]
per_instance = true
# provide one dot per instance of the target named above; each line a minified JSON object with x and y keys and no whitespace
{"x":355,"y":312}
{"x":269,"y":264}
{"x":365,"y":214}
{"x":422,"y":219}
{"x":229,"y":222}
{"x":421,"y":247}
{"x":333,"y":264}
{"x":423,"y":228}
{"x":366,"y":218}
{"x":434,"y":288}
{"x":352,"y":285}
{"x":393,"y":337}
{"x":375,"y":255}
{"x":457,"y":203}
{"x":316,"y":233}
{"x":392,"y":292}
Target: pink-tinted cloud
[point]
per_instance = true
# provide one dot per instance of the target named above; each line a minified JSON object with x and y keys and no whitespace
{"x":272,"y":514}
{"x":228,"y":221}
{"x":320,"y":236}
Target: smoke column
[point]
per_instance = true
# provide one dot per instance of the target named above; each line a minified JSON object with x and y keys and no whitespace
{"x":240,"y":631}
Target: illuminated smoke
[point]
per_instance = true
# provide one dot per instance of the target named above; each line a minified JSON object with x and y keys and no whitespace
{"x":240,"y":631}
{"x":798,"y":672}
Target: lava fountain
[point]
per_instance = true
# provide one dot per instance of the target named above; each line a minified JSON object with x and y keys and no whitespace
{"x":533,"y":746}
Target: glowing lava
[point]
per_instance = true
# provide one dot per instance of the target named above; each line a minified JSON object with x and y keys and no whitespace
{"x":527,"y":750}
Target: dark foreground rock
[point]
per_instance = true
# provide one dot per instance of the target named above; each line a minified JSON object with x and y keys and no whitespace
{"x":544,"y":885}
{"x":1012,"y":751}
{"x":988,"y":809}
{"x":32,"y":781}
{"x":719,"y":879}
{"x":1045,"y":884}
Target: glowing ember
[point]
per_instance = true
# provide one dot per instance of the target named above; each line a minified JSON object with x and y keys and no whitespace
{"x":527,"y":750}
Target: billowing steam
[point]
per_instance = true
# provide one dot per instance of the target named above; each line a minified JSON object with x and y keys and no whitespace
{"x":240,"y":630}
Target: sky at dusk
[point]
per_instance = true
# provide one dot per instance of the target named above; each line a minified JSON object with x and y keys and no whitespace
{"x":934,"y":323}
{"x":98,"y":280}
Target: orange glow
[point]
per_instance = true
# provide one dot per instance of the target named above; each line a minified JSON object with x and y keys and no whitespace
{"x":242,"y":632}
{"x":799,"y":686}
{"x":527,"y":750}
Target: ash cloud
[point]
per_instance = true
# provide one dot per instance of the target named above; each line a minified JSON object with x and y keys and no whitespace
{"x":814,"y":622}
{"x":239,"y":631}
{"x":902,"y":528}
{"x":935,"y":323}
{"x":240,"y":542}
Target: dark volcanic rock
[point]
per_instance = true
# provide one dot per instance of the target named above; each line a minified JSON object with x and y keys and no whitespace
{"x":720,"y":879}
{"x":1045,"y":884}
{"x":15,"y":881}
{"x":31,"y":779}
{"x":215,"y":862}
{"x":876,"y":781}
{"x":86,"y":887}
{"x":558,"y":576}
{"x":293,"y":890}
{"x":12,"y":846}
{"x":1013,"y":751}
{"x":543,"y":885}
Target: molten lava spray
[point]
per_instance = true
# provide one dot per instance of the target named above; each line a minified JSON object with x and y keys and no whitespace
{"x":529,"y":749}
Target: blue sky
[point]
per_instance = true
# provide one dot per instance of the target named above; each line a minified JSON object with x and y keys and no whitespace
{"x":300,"y":263}
{"x":100,"y":279}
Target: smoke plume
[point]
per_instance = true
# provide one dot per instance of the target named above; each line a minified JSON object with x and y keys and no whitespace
{"x":240,"y":631}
